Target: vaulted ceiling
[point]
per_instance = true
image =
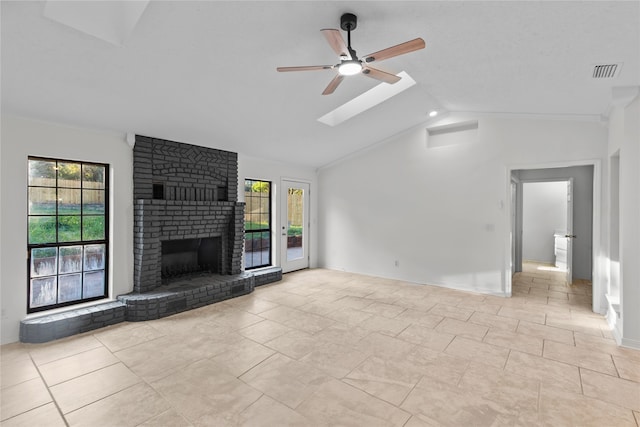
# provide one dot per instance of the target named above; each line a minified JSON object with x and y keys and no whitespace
{"x":205,"y":72}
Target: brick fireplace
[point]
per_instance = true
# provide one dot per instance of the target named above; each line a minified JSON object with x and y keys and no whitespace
{"x":187,"y":219}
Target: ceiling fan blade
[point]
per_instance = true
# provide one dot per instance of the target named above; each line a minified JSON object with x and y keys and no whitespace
{"x":306,"y":68}
{"x":333,"y":84}
{"x":374,"y":73}
{"x":336,"y":42}
{"x":400,"y":49}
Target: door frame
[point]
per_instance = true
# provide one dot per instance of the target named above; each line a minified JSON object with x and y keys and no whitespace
{"x":283,"y":219}
{"x":598,"y":277}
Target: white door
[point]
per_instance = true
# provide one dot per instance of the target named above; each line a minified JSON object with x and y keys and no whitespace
{"x":294,"y":230}
{"x":570,"y":236}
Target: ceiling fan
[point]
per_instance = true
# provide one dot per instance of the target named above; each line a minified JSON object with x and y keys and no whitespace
{"x":349,"y":63}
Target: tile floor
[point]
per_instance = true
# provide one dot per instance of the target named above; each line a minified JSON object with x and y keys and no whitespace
{"x":331,"y":348}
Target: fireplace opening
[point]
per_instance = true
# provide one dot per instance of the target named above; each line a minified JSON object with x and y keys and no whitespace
{"x":191,"y":256}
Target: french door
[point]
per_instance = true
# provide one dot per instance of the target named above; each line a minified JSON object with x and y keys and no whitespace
{"x":294,"y":230}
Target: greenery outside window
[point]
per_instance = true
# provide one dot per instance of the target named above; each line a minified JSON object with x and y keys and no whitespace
{"x":68,"y":223}
{"x":257,"y":224}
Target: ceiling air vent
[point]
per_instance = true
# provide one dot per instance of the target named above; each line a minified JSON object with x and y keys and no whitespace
{"x":606,"y":71}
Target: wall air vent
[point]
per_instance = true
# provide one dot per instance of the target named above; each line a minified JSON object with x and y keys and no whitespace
{"x":606,"y":71}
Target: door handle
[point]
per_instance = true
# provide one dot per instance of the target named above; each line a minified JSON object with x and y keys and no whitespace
{"x":571,"y":236}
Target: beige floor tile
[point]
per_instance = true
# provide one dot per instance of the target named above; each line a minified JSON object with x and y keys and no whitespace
{"x":480,"y":306}
{"x":548,"y":371}
{"x":419,"y":303}
{"x":91,"y":387}
{"x":205,"y":388}
{"x":252,"y":303}
{"x":636,"y":414}
{"x":297,"y":319}
{"x":158,"y":358}
{"x":585,"y":325}
{"x":606,"y":345}
{"x":129,"y":407}
{"x":389,"y":379}
{"x":509,"y":390}
{"x":559,"y":408}
{"x":611,"y":389}
{"x":451,"y":311}
{"x":336,"y":360}
{"x":478,"y":351}
{"x":45,"y":415}
{"x":349,"y":316}
{"x":435,"y":365}
{"x":17,"y":370}
{"x":580,"y":356}
{"x":462,"y":329}
{"x":341,"y":333}
{"x":169,"y":418}
{"x":515,"y":341}
{"x":318,"y":307}
{"x":15,"y":351}
{"x":130,"y":334}
{"x":350,"y":301}
{"x":447,"y":405}
{"x":48,"y":352}
{"x":381,"y":345}
{"x":23,"y":397}
{"x":385,"y":310}
{"x":545,"y":332}
{"x":294,"y":344}
{"x":242,"y":356}
{"x":77,"y":365}
{"x":285,"y":380}
{"x":235,"y":319}
{"x":264,"y":331}
{"x":384,"y":325}
{"x":627,"y":368}
{"x":420,"y":318}
{"x":418,"y":334}
{"x":337,"y":403}
{"x":522,"y":314}
{"x":494,"y":321}
{"x":265,"y":412}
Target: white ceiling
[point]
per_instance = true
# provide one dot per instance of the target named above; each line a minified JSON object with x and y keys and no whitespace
{"x":205,"y":72}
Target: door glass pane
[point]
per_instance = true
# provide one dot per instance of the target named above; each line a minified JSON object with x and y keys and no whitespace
{"x":295,"y":210}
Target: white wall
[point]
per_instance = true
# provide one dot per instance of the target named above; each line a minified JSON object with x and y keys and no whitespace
{"x":23,"y":137}
{"x":252,"y":167}
{"x":624,"y":136}
{"x":441,"y":212}
{"x":544,"y":213}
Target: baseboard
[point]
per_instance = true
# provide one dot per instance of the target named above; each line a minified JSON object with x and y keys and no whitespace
{"x":629,"y":343}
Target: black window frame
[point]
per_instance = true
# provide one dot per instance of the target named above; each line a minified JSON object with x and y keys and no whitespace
{"x":82,"y":242}
{"x":268,"y":231}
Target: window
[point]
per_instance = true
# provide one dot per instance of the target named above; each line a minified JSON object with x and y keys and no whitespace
{"x":67,"y":232}
{"x":257,"y":223}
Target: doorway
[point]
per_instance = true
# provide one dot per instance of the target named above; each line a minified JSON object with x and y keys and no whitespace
{"x":585,"y":217}
{"x":295,"y":225}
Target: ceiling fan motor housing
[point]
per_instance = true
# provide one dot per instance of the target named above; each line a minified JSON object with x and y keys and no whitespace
{"x":348,"y":22}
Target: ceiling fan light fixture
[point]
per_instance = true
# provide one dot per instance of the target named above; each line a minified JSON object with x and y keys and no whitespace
{"x":350,"y":68}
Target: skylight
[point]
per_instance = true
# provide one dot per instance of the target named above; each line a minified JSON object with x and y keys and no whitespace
{"x":369,"y":99}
